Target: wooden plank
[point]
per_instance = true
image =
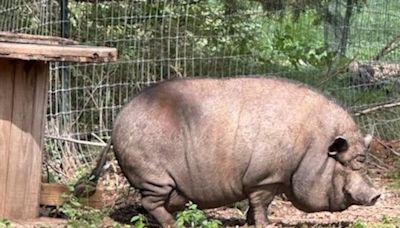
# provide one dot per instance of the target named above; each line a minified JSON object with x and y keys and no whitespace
{"x":40,"y":71}
{"x":39,"y":222}
{"x":20,"y":143}
{"x":52,"y":195}
{"x":34,"y":39}
{"x":71,"y":53}
{"x":24,"y":153}
{"x":6,"y":99}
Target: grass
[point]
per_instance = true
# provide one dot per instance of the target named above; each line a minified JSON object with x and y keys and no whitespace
{"x":385,"y":222}
{"x":4,"y":223}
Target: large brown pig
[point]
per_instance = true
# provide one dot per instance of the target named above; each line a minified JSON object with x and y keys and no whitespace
{"x":218,"y":141}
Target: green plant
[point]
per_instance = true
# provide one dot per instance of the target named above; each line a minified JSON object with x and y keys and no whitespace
{"x":385,"y":222}
{"x":80,"y":215}
{"x":4,"y":223}
{"x":192,"y":216}
{"x":358,"y":224}
{"x":388,"y":220}
{"x":139,"y":221}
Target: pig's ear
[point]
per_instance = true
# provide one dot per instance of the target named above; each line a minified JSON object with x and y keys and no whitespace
{"x":339,"y":145}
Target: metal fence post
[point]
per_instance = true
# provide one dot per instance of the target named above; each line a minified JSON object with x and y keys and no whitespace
{"x":64,"y":72}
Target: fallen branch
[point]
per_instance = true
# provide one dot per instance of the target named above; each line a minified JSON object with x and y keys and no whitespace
{"x":376,"y":108}
{"x":388,"y":147}
{"x":389,"y":47}
{"x":381,"y":164}
{"x":102,"y":144}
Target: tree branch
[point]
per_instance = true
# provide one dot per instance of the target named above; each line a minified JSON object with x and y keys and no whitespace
{"x":376,"y":108}
{"x":389,"y":47}
{"x":388,"y":147}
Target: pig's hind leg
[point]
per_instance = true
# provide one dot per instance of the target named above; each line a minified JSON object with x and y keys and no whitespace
{"x":154,"y":200}
{"x":155,"y":186}
{"x":161,"y":202}
{"x":176,"y":201}
{"x":148,"y":176}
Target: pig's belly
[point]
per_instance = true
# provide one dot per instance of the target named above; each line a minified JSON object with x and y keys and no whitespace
{"x":210,"y":191}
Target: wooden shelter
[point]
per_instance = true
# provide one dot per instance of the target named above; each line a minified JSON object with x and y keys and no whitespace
{"x":24,"y":77}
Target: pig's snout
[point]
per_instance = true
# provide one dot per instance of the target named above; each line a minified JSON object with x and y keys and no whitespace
{"x":372,"y":200}
{"x":364,"y":196}
{"x":369,"y":198}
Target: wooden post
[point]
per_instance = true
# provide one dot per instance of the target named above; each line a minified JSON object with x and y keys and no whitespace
{"x":23,"y":93}
{"x":23,"y":100}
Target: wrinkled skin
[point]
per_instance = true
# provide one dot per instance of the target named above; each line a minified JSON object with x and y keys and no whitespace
{"x":218,"y":141}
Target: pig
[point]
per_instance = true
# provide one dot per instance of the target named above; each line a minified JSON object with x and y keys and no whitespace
{"x":218,"y":141}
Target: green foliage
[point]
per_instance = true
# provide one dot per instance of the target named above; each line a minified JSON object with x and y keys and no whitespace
{"x":299,"y":6}
{"x":297,"y":49}
{"x":194,"y":217}
{"x":139,"y":221}
{"x":80,"y":174}
{"x":81,"y":216}
{"x":391,"y":220}
{"x":359,"y":224}
{"x":385,"y":222}
{"x":4,"y":223}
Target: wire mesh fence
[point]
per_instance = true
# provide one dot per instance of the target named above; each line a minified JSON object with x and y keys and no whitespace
{"x":164,"y":39}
